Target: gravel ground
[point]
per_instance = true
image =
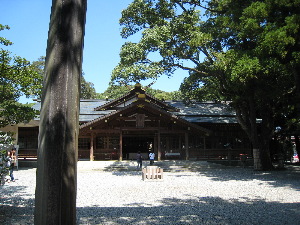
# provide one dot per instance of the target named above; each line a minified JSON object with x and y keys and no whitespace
{"x":209,"y":194}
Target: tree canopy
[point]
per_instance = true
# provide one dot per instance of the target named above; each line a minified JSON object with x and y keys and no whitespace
{"x":87,"y":89}
{"x":115,"y":91}
{"x":17,"y":77}
{"x":245,"y":52}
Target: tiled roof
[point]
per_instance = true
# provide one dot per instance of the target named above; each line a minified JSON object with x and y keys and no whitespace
{"x":203,"y":108}
{"x":148,"y":107}
{"x":198,"y":112}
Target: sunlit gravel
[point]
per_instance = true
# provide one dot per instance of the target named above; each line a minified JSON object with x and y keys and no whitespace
{"x":200,"y":193}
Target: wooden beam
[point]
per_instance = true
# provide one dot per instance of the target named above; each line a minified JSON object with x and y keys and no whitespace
{"x":186,"y":145}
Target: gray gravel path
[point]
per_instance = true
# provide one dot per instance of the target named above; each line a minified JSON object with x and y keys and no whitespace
{"x":198,"y":193}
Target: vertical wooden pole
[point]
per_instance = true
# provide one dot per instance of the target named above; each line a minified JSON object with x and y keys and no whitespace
{"x":121,"y":146}
{"x":187,"y":153}
{"x":92,"y":147}
{"x":158,"y":146}
{"x":158,"y":143}
{"x":204,"y":144}
{"x":168,"y":143}
{"x":56,"y":180}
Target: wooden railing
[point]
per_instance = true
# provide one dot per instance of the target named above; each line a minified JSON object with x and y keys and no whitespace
{"x":27,"y":154}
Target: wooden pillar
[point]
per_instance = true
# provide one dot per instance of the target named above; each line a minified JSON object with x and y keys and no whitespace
{"x":158,"y":143}
{"x":204,"y":146}
{"x":92,"y":147}
{"x":186,"y":145}
{"x":56,"y":177}
{"x":154,"y":147}
{"x":168,"y":143}
{"x":158,"y":146}
{"x":121,"y":146}
{"x":179,"y":142}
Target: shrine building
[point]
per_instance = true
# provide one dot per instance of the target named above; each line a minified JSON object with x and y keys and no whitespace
{"x":117,"y":129}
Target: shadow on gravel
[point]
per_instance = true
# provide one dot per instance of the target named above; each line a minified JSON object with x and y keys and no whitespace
{"x":17,"y":209}
{"x":289,"y":177}
{"x":205,"y":210}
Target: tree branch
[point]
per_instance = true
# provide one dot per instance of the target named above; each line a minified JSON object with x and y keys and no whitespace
{"x":191,"y":69}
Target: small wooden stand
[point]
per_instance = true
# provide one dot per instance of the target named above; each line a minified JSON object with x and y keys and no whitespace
{"x":152,"y":173}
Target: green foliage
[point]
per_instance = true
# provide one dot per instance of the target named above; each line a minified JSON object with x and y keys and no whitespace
{"x":238,"y":44}
{"x":4,"y":170}
{"x":87,"y":90}
{"x":163,"y":95}
{"x":4,"y":41}
{"x":6,"y":138}
{"x":170,"y":36}
{"x":246,"y":52}
{"x":39,"y":65}
{"x":116,"y":91}
{"x":17,"y":77}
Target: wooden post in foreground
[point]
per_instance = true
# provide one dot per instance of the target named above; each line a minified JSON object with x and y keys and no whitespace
{"x":56,"y":181}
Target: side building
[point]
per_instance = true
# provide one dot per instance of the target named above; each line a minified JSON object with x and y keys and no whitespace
{"x":118,"y":129}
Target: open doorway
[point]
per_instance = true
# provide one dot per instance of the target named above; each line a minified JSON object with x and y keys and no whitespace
{"x":133,"y":144}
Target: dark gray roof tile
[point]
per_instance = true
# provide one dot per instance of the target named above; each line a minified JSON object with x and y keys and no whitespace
{"x":200,"y":112}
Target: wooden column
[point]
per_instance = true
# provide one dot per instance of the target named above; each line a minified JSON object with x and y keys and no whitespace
{"x":204,"y":146}
{"x":92,"y":147}
{"x":56,"y":178}
{"x":168,"y":144}
{"x":179,"y":142}
{"x":158,"y":143}
{"x":121,"y":146}
{"x":186,"y":145}
{"x":158,"y":146}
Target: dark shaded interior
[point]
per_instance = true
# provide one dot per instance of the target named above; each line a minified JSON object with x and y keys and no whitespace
{"x":133,"y":144}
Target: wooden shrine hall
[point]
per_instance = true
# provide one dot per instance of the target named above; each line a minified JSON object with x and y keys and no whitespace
{"x":117,"y":129}
{"x":139,"y":122}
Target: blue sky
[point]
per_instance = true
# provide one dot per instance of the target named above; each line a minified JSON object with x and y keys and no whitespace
{"x":29,"y":23}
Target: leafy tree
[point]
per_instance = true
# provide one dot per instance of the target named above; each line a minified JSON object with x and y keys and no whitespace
{"x":163,"y":95}
{"x":87,"y":88}
{"x":115,"y":91}
{"x":39,"y":65}
{"x":263,"y":52}
{"x":244,"y":52}
{"x":17,"y":78}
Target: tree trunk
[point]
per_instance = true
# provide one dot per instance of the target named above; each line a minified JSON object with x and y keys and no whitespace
{"x":297,"y":142}
{"x":297,"y":104}
{"x":297,"y":90}
{"x":56,"y":183}
{"x":266,"y":157}
{"x":246,"y":115}
{"x":256,"y":159}
{"x":266,"y":133}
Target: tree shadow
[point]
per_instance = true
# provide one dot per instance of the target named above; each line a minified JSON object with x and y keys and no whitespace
{"x":16,"y":208}
{"x":290,"y":177}
{"x":203,"y":210}
{"x":19,"y":209}
{"x":277,"y":178}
